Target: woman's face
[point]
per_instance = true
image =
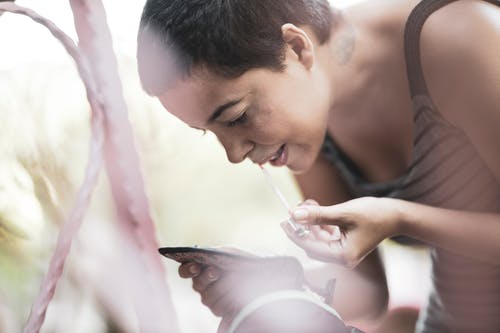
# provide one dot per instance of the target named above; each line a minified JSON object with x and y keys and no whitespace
{"x":263,"y":115}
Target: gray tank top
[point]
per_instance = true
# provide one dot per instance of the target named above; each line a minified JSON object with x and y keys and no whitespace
{"x":446,"y":171}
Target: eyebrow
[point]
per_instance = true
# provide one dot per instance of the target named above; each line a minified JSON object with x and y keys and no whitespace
{"x":220,"y":109}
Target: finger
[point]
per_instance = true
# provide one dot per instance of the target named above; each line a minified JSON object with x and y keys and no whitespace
{"x":208,"y":275}
{"x":189,"y":270}
{"x":331,"y":251}
{"x":333,"y":231}
{"x":320,"y":233}
{"x":327,"y":251}
{"x":217,"y":297}
{"x":326,"y":233}
{"x":298,"y":239}
{"x":318,"y":215}
{"x":230,"y":293}
{"x":215,"y":301}
{"x":292,"y":233}
{"x":308,"y":202}
{"x":336,"y":234}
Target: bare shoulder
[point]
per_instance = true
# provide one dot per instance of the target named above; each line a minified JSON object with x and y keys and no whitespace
{"x":462,"y":21}
{"x":460,"y":50}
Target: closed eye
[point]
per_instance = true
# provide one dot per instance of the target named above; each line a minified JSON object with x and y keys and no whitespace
{"x":240,"y":120}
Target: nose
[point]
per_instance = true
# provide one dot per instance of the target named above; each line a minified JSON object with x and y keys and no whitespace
{"x":237,"y":149}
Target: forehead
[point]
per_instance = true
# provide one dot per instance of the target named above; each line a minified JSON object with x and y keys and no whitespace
{"x":192,"y":99}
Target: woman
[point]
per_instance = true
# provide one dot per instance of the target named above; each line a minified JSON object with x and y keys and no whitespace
{"x":388,"y":113}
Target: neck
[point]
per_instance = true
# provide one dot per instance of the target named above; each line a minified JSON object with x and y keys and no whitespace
{"x":370,"y":84}
{"x":365,"y":67}
{"x":343,"y":41}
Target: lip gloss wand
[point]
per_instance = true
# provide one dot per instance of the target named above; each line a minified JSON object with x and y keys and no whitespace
{"x":300,"y":230}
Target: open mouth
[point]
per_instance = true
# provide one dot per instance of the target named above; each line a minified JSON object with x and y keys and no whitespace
{"x":280,"y":157}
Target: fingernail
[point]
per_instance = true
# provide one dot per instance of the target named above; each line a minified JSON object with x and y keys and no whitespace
{"x":336,"y":234}
{"x":300,"y":214}
{"x":194,"y":269}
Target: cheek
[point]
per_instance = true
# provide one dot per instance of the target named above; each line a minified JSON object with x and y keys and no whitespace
{"x":296,"y":118}
{"x":269,"y":124}
{"x":295,"y":125}
{"x":307,"y":108}
{"x":267,"y":131}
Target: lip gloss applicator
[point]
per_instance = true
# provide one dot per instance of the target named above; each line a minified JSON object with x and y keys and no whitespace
{"x":300,"y":230}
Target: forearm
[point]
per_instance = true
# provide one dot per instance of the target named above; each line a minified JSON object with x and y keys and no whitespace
{"x":470,"y":234}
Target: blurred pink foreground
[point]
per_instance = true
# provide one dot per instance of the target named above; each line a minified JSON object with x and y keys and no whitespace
{"x":138,"y":277}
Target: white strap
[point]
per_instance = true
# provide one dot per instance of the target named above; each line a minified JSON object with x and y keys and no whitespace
{"x":275,"y":297}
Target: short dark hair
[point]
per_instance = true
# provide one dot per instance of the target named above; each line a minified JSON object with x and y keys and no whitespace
{"x":228,"y":37}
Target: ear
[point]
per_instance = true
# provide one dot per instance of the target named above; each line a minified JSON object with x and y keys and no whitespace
{"x":300,"y":43}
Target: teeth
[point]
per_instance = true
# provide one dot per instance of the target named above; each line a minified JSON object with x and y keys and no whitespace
{"x":275,"y":156}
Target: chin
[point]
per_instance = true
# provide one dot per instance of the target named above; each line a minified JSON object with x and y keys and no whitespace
{"x":298,"y":168}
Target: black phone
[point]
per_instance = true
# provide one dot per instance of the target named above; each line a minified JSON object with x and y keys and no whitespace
{"x":206,"y":256}
{"x":228,"y":259}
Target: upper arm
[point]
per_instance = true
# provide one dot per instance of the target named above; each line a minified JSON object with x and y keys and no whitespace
{"x":460,"y":48}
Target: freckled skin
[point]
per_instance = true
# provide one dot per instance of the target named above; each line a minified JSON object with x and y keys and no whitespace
{"x":280,"y":107}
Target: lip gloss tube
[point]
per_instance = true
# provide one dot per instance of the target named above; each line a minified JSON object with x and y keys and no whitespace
{"x":299,"y":229}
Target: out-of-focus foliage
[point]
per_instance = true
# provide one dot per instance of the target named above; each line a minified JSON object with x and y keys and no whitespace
{"x":196,"y":195}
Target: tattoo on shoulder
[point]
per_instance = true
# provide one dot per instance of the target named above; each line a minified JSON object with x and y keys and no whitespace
{"x":344,"y":45}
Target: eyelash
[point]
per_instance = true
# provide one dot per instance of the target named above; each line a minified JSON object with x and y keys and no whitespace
{"x":240,"y":120}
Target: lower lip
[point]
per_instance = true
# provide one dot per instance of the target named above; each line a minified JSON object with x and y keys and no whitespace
{"x":282,"y":159}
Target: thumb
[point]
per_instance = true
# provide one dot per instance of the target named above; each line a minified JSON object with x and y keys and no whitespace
{"x":317,"y":215}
